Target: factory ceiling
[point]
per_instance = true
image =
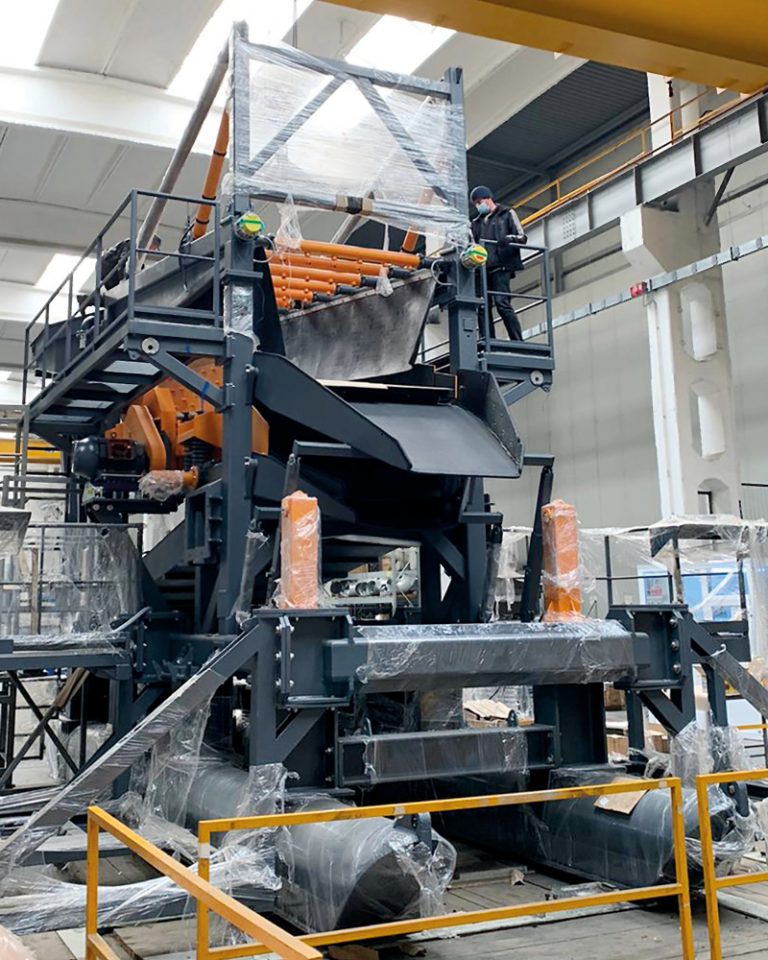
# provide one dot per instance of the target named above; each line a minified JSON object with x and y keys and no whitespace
{"x":94,"y":95}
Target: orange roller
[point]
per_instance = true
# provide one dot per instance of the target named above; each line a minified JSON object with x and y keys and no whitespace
{"x":299,"y":552}
{"x":562,"y":578}
{"x":287,"y":300}
{"x":299,"y":273}
{"x":367,"y":269}
{"x":344,"y":252}
{"x":316,"y":286}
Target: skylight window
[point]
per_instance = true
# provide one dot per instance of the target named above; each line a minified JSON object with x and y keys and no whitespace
{"x":397,"y":44}
{"x":25,"y":26}
{"x":268,"y":23}
{"x":59,"y":268}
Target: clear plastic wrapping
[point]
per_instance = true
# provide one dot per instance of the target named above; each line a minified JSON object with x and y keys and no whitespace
{"x":300,"y":586}
{"x":159,"y":806}
{"x":385,"y":147}
{"x":358,"y":872}
{"x":717,"y":565}
{"x":561,"y":575}
{"x":162,"y":485}
{"x":502,"y":750}
{"x":511,"y":570}
{"x":703,"y":747}
{"x":506,"y":653}
{"x":68,"y":581}
{"x":11,"y":948}
{"x":13,"y":527}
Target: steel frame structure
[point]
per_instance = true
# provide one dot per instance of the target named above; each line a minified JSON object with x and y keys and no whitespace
{"x":378,"y":480}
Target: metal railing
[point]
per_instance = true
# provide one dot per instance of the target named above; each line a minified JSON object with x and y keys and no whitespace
{"x":487,"y":324}
{"x":680,"y":888}
{"x":672,"y":131}
{"x":48,"y":342}
{"x":713,"y":883}
{"x":268,"y":934}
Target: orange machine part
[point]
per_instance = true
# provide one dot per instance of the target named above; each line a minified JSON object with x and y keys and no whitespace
{"x":296,"y":272}
{"x":138,"y":425}
{"x":345,"y":252}
{"x":296,"y":283}
{"x":366,"y":268}
{"x":211,"y":185}
{"x":562,"y":580}
{"x":177,"y":414}
{"x":299,"y":552}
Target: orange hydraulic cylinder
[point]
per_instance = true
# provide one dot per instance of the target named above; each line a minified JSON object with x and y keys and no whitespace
{"x":298,"y":273}
{"x":299,"y":552}
{"x":211,"y":186}
{"x":393,"y":257}
{"x":366,"y":268}
{"x":561,"y":575}
{"x":316,"y":286}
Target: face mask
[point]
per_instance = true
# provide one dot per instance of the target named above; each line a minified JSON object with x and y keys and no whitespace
{"x":483,"y":208}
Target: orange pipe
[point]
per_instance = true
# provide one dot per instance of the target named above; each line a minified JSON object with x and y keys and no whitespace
{"x":316,"y":286}
{"x":344,"y":252}
{"x":299,"y":552}
{"x":411,"y":238}
{"x":328,"y":263}
{"x":287,"y":296}
{"x":562,"y":576}
{"x":211,"y":186}
{"x":299,"y":273}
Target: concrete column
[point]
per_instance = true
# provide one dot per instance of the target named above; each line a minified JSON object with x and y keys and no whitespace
{"x":693,"y":409}
{"x":683,"y":101}
{"x":661,"y":103}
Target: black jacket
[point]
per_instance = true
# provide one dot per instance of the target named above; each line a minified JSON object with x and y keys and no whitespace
{"x":502,"y":223}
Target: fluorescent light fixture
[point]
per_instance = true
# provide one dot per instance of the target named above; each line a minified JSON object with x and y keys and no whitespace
{"x":397,"y":44}
{"x":59,"y":268}
{"x":25,"y":26}
{"x":268,"y":22}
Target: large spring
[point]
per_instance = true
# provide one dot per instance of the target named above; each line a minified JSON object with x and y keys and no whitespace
{"x":196,"y":452}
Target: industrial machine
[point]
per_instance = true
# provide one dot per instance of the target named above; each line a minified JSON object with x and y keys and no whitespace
{"x":267,"y":391}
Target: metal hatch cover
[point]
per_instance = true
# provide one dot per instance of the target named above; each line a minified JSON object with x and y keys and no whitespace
{"x":363,"y":336}
{"x":442,"y":439}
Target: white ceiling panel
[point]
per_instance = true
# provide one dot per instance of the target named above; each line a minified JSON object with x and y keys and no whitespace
{"x":157,"y":37}
{"x":23,"y":264}
{"x":26,"y":153}
{"x":79,"y":166}
{"x":141,"y":40}
{"x":136,"y":167}
{"x":326,"y":30}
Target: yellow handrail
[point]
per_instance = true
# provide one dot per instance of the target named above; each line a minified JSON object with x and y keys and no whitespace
{"x":645,"y":151}
{"x":268,"y":934}
{"x":713,"y":883}
{"x":206,"y":828}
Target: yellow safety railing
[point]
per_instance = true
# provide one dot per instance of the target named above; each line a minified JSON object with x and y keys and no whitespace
{"x":273,"y":938}
{"x":679,"y":888}
{"x":556,"y":190}
{"x":713,"y":883}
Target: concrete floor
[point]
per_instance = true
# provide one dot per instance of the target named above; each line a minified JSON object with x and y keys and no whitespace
{"x":623,"y":932}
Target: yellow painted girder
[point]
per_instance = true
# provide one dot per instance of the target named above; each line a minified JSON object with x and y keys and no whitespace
{"x":714,"y":43}
{"x":38,"y":452}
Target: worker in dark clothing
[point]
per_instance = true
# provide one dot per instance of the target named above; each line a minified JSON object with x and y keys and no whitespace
{"x":114,"y":263}
{"x":499,"y":229}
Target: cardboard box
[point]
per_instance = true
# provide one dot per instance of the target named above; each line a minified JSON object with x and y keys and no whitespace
{"x":614,"y":699}
{"x":618,"y":745}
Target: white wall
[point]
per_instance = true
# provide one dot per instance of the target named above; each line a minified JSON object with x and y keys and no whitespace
{"x":597,"y":419}
{"x":746,"y":289}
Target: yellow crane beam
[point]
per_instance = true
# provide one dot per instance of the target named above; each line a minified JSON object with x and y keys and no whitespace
{"x":38,"y":452}
{"x":721,"y":45}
